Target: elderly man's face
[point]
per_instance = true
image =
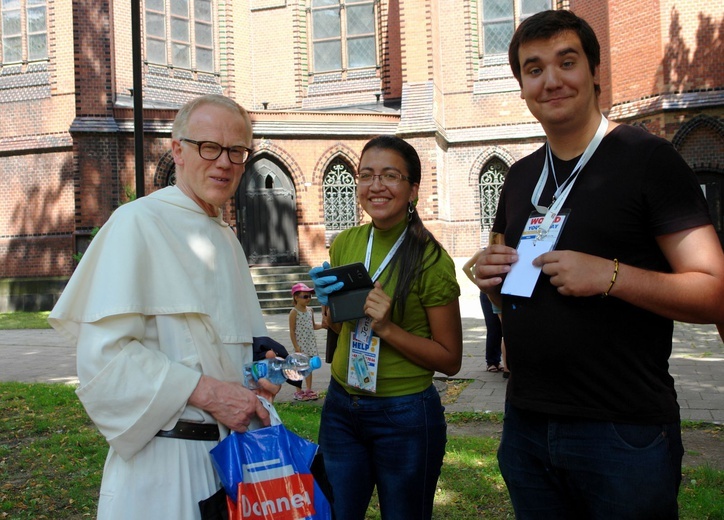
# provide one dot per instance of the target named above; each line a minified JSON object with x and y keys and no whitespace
{"x":210,"y":183}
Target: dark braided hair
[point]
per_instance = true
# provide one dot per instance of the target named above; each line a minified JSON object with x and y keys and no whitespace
{"x":409,"y":260}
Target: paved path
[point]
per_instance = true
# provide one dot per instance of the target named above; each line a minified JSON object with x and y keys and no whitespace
{"x":697,"y":364}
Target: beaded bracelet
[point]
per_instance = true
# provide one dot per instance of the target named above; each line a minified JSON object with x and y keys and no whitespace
{"x":613,"y":278}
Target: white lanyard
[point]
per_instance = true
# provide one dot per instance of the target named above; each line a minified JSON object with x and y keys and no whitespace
{"x":564,"y":189}
{"x":390,"y":254}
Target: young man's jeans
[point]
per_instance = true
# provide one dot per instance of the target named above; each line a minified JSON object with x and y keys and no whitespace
{"x":396,"y":443}
{"x":562,"y":468}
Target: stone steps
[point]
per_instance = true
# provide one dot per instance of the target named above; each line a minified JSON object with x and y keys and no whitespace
{"x":274,"y":286}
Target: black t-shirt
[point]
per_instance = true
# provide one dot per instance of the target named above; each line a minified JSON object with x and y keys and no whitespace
{"x":600,"y":358}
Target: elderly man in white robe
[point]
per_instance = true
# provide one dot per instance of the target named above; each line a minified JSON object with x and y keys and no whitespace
{"x":163,"y":311}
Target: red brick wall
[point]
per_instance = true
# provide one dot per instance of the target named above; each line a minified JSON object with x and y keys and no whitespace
{"x":66,"y":146}
{"x":36,"y":216}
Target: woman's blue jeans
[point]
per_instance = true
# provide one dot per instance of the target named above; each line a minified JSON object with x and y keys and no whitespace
{"x":562,"y":468}
{"x":395,"y":443}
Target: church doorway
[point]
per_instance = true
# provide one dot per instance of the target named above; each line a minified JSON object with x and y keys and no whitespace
{"x":267,"y":215}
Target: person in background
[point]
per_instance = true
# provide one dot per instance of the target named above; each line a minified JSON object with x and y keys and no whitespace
{"x":493,"y":327}
{"x":163,"y":310}
{"x":382,"y":421}
{"x":267,"y":348}
{"x":301,"y":330}
{"x":635,"y":250}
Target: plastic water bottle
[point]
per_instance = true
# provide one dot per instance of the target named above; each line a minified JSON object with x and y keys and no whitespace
{"x":295,"y":367}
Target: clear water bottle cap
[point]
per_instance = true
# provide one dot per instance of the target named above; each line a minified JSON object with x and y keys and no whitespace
{"x":315,"y":362}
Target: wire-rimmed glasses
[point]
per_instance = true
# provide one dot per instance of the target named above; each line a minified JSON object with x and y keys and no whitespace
{"x":386,"y":179}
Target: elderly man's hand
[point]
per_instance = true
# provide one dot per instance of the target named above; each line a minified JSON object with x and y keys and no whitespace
{"x":232,"y":404}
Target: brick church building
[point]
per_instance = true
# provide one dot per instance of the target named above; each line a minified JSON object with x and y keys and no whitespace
{"x":319,"y":77}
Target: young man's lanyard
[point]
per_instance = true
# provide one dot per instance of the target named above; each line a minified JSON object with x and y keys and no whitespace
{"x":562,"y":191}
{"x":388,"y":258}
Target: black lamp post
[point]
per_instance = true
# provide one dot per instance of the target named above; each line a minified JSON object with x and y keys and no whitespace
{"x":137,"y":97}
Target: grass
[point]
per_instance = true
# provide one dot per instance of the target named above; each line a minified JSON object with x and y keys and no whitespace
{"x":24,"y":320}
{"x":51,"y":459}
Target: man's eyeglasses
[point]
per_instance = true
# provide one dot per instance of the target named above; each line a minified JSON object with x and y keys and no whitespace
{"x":305,"y":296}
{"x":211,"y":151}
{"x":386,"y":179}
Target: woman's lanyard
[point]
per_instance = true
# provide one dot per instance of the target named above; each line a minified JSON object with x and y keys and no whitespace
{"x":562,"y":191}
{"x":390,"y":254}
{"x":364,"y":348}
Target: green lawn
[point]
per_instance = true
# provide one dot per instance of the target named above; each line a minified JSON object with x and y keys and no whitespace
{"x":51,"y":459}
{"x":24,"y":320}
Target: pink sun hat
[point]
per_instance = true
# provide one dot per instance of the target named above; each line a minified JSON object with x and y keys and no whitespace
{"x":300,"y":287}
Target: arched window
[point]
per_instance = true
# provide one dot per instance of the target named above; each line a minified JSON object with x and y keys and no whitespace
{"x":490,"y":184}
{"x":340,"y":199}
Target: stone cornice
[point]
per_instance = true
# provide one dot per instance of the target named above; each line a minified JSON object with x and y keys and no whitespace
{"x":495,"y":133}
{"x":666,"y":102}
{"x":35,"y":144}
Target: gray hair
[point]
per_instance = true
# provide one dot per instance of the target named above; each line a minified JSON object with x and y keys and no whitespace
{"x":181,"y":121}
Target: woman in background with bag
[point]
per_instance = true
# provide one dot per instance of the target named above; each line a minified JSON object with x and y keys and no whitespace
{"x":382,"y":422}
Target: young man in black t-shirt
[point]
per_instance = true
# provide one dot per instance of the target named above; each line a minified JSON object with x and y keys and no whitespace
{"x":592,"y":426}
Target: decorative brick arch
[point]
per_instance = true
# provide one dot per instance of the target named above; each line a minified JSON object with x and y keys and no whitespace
{"x":165,"y":171}
{"x":482,"y":159}
{"x":689,"y":126}
{"x":285,"y":160}
{"x":701,"y":143}
{"x":332,"y":153}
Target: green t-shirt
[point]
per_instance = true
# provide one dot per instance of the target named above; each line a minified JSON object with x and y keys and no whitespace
{"x":436,"y":287}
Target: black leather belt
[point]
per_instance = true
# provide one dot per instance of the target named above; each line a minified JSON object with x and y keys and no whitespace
{"x":192,"y":432}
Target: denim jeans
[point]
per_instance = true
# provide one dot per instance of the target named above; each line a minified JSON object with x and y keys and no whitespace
{"x":394,"y":443}
{"x":494,"y":332}
{"x":562,"y":468}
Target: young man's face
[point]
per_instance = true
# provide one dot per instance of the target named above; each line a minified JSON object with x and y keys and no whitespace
{"x":556,"y":81}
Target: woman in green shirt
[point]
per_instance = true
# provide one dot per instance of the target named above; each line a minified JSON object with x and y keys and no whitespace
{"x":382,"y":423}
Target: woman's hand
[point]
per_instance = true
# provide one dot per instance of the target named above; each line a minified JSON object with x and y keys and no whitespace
{"x":378,"y":307}
{"x":324,"y":285}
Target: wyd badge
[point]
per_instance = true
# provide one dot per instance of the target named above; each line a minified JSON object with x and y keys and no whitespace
{"x":364,"y":353}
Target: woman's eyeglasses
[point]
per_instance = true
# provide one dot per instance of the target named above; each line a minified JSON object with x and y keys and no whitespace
{"x":386,"y":179}
{"x":305,"y":296}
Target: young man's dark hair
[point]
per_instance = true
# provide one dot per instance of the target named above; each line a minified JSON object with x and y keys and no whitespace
{"x":545,"y":25}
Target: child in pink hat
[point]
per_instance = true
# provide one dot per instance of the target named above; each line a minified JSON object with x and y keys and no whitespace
{"x":301,"y":330}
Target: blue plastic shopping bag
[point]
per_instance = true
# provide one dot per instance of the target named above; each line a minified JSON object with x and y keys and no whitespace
{"x":266,"y":475}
